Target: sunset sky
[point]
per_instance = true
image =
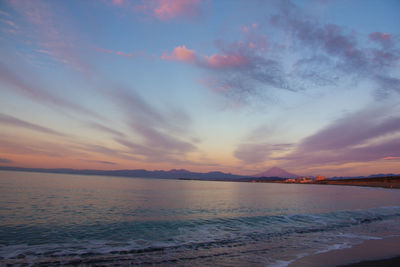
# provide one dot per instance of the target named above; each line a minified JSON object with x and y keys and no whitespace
{"x":216,"y":85}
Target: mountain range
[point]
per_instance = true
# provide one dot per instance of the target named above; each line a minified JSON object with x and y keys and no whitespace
{"x":272,"y":174}
{"x":171,"y":174}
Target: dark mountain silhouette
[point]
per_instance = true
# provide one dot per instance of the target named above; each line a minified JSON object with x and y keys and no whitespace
{"x":362,"y":177}
{"x":276,"y":172}
{"x":273,"y":174}
{"x":140,"y":173}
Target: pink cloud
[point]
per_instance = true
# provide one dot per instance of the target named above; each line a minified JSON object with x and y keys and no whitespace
{"x":226,"y":61}
{"x":51,"y":34}
{"x":120,"y":53}
{"x":181,"y":53}
{"x":132,"y":54}
{"x":104,"y":50}
{"x":117,"y":2}
{"x":216,"y":61}
{"x":17,"y":84}
{"x":168,"y":9}
{"x":385,"y":39}
{"x":391,"y":158}
{"x":252,"y":45}
{"x":162,"y":9}
{"x":246,"y":29}
{"x":215,"y":85}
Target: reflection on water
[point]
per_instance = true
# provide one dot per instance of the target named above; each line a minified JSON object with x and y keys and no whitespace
{"x":68,"y":216}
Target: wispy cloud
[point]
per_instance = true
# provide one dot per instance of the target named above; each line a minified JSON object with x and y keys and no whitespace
{"x":162,"y":137}
{"x":367,"y":135}
{"x":15,"y":83}
{"x":35,"y":147}
{"x":48,"y":32}
{"x":71,"y":149}
{"x":168,"y":9}
{"x":5,"y":161}
{"x":253,"y":153}
{"x":340,"y":46}
{"x":181,"y":53}
{"x":132,"y":54}
{"x":226,"y":61}
{"x":163,"y":9}
{"x":384,"y":39}
{"x":302,"y":54}
{"x":100,"y":127}
{"x":100,"y":161}
{"x":13,"y":121}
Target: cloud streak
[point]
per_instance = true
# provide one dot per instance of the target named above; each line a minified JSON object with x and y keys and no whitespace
{"x":160,"y":135}
{"x":5,"y":161}
{"x":168,"y":9}
{"x":100,"y":127}
{"x":100,"y":162}
{"x":13,"y":121}
{"x":163,"y":10}
{"x":48,"y":34}
{"x":253,"y":153}
{"x":366,"y":135}
{"x":10,"y":79}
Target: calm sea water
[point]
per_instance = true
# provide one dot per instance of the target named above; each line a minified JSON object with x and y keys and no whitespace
{"x":49,"y":219}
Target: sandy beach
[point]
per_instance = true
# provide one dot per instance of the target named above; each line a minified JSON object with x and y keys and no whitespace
{"x":382,"y":252}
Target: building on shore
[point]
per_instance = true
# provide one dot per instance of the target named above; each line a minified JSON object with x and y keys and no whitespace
{"x":304,"y":180}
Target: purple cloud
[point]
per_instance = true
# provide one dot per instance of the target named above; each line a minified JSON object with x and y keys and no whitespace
{"x":384,"y":39}
{"x":387,"y":83}
{"x":100,"y":161}
{"x":100,"y":149}
{"x":339,"y":46}
{"x":11,"y":145}
{"x":162,"y":136}
{"x":51,"y":33}
{"x":366,"y":135}
{"x":322,"y":54}
{"x":100,"y":127}
{"x":12,"y":80}
{"x":5,"y":161}
{"x":252,"y":153}
{"x":52,"y":149}
{"x":13,"y":121}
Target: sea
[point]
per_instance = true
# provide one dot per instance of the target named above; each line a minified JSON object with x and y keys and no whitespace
{"x":52,"y":219}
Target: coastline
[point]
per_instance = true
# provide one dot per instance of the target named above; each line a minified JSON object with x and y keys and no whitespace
{"x":388,"y":182}
{"x":391,"y":182}
{"x":392,"y":262}
{"x":369,"y":253}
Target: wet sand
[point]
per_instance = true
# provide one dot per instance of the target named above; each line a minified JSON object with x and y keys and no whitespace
{"x":382,"y":252}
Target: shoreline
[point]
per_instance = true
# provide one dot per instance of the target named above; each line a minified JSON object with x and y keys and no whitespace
{"x":388,"y":182}
{"x":392,"y":262}
{"x":369,"y":253}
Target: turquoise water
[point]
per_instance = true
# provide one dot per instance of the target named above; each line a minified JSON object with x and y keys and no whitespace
{"x":50,"y":219}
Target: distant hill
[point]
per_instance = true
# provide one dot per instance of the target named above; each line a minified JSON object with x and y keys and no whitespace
{"x":363,"y":177}
{"x":171,"y":174}
{"x":276,"y":172}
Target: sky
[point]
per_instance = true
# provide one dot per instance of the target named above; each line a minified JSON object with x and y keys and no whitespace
{"x":215,"y":85}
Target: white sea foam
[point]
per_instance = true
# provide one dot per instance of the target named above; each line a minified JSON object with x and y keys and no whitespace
{"x":334,"y":247}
